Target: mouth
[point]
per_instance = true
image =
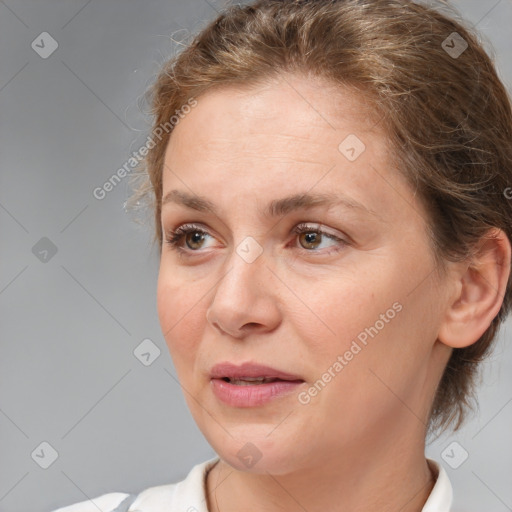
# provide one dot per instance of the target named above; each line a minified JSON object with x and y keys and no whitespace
{"x":251,"y":374}
{"x":254,"y":381}
{"x":252,"y":385}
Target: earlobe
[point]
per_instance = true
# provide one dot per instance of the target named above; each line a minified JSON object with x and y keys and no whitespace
{"x":479,"y":288}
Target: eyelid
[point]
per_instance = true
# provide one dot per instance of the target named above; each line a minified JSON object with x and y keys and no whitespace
{"x":314,"y":226}
{"x":304,"y":227}
{"x":172,"y":238}
{"x":184,"y":229}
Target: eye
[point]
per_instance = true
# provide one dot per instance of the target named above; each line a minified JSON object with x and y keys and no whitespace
{"x":312,"y":236}
{"x":174,"y":238}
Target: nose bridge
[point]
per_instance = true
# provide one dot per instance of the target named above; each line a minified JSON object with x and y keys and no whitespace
{"x":244,"y":268}
{"x":243,"y":294}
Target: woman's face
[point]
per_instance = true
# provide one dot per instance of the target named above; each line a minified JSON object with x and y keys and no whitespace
{"x":352,"y":314}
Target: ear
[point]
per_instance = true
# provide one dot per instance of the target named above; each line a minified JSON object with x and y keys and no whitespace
{"x":478,"y":291}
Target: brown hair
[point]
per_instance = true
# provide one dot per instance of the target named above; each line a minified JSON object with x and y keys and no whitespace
{"x":448,"y":118}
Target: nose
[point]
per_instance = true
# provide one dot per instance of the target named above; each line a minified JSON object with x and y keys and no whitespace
{"x":245,"y":299}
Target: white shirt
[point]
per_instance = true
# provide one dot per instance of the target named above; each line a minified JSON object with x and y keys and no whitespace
{"x":189,"y":495}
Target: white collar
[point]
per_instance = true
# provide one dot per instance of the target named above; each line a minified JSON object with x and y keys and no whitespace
{"x":190,"y":493}
{"x":441,"y":497}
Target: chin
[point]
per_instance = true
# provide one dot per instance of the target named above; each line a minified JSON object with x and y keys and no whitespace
{"x":252,"y":450}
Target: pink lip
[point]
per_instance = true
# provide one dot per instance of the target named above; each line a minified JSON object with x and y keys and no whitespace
{"x":233,"y":371}
{"x":254,"y":394}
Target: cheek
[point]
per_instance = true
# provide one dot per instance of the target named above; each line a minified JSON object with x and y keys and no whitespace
{"x":338,"y":307}
{"x":179,"y":308}
{"x":386,"y":350}
{"x":369,"y":317}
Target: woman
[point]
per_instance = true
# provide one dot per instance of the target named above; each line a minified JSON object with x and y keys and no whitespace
{"x":331,"y":210}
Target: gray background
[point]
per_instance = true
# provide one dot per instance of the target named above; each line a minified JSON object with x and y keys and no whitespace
{"x":69,"y":325}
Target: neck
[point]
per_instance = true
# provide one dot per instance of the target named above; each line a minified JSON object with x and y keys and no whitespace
{"x":375,"y":480}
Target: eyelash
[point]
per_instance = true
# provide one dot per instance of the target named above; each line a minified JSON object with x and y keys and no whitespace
{"x":173,"y":238}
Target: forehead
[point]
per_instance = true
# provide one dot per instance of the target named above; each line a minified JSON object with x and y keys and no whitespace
{"x":291,"y":118}
{"x":289,"y":102}
{"x":280,"y":138}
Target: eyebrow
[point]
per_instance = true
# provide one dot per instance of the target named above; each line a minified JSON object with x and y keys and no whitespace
{"x":276,"y":207}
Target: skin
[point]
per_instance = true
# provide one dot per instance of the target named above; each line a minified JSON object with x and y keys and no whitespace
{"x":359,"y":444}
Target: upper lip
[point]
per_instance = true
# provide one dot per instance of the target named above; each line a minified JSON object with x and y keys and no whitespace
{"x":233,"y":371}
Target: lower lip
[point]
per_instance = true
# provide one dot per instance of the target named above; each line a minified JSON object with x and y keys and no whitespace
{"x":252,"y":395}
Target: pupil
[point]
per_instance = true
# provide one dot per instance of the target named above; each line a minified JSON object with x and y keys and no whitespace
{"x":310,"y":238}
{"x":196,"y":237}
